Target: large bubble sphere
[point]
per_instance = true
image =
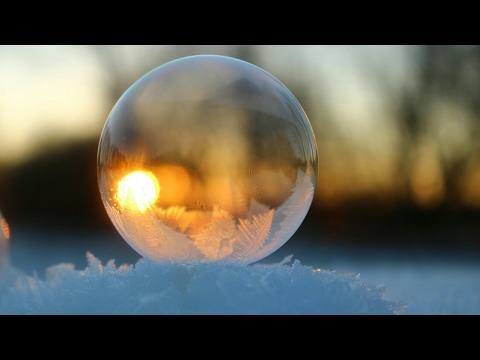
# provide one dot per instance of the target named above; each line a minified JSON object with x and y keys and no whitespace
{"x":207,"y":158}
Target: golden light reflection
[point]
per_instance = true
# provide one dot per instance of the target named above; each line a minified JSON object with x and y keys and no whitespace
{"x":138,"y":191}
{"x":177,"y":183}
{"x":5,"y":228}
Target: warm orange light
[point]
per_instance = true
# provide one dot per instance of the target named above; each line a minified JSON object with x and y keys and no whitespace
{"x":177,"y":184}
{"x":5,"y":228}
{"x":138,"y":191}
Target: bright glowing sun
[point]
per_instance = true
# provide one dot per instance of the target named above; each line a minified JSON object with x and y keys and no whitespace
{"x":138,"y":190}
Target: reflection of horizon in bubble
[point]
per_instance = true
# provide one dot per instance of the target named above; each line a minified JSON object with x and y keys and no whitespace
{"x":224,"y":139}
{"x":204,"y":235}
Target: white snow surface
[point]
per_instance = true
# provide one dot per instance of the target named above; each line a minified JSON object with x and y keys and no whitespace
{"x":302,"y":280}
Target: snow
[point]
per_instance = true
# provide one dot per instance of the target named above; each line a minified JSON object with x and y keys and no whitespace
{"x":297,"y":279}
{"x":213,"y":288}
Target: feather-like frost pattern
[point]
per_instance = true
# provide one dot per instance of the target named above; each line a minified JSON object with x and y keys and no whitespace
{"x":252,"y":235}
{"x":189,"y":222}
{"x":151,"y":237}
{"x":216,"y":240}
{"x":172,"y":216}
{"x":290,"y":215}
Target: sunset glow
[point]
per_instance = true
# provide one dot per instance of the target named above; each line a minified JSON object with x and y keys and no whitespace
{"x":138,"y":191}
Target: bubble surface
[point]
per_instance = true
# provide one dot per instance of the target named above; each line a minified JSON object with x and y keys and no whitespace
{"x":207,"y":158}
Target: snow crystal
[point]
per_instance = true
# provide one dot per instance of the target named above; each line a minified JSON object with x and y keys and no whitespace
{"x":185,"y":289}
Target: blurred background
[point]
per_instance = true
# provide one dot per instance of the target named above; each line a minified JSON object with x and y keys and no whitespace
{"x":397,"y":128}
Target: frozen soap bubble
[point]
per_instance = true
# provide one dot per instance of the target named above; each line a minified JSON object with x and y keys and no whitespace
{"x":207,"y":158}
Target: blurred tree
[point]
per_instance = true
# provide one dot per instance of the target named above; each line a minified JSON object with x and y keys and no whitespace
{"x":438,"y":118}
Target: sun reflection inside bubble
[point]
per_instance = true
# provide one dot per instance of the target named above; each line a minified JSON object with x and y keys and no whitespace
{"x":138,"y":191}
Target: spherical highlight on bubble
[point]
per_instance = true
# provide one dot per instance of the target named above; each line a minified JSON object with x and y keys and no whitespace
{"x":207,"y":158}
